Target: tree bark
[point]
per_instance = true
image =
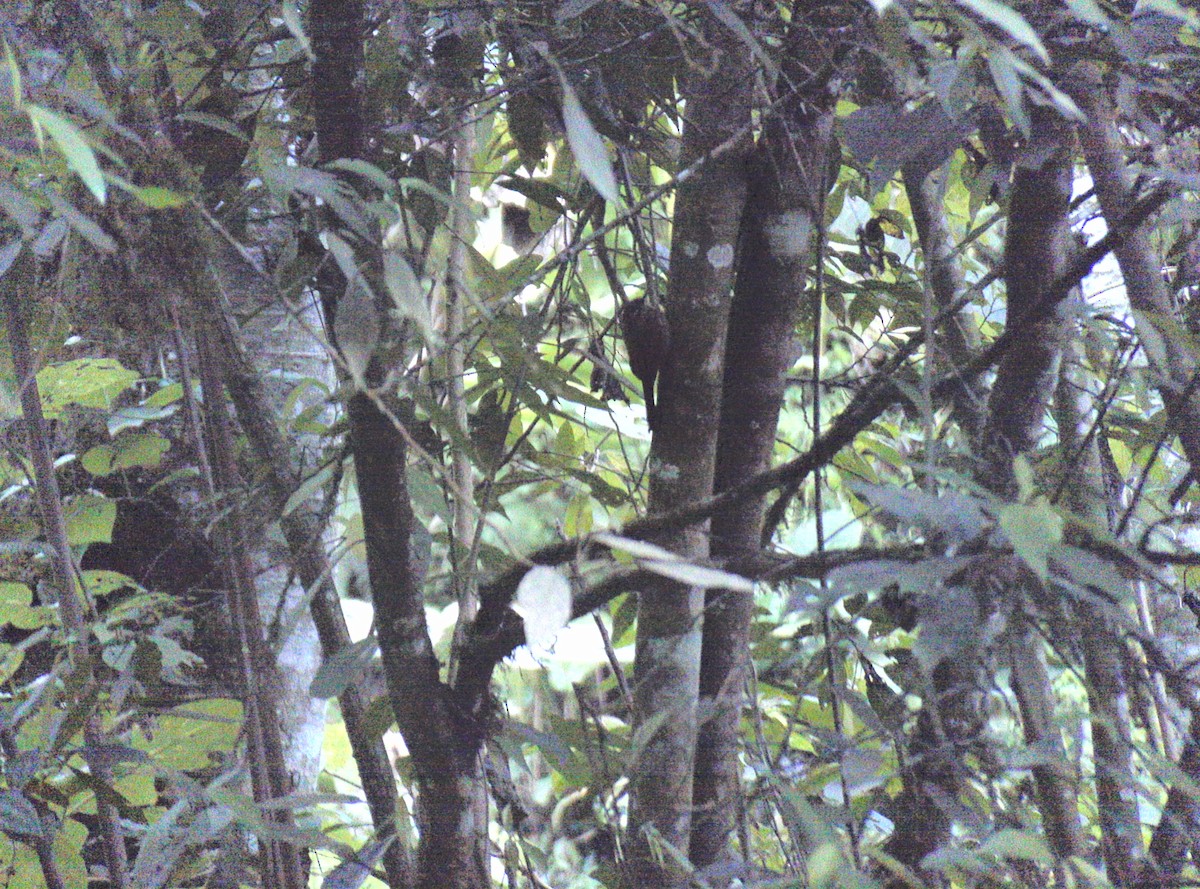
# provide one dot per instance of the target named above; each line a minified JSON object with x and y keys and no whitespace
{"x":1175,"y":360}
{"x":443,"y":741}
{"x":708,"y":209}
{"x":787,"y":188}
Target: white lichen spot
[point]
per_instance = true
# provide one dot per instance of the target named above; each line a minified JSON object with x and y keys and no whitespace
{"x":713,"y":365}
{"x":788,"y":234}
{"x":720,"y":256}
{"x":666,"y":471}
{"x":690,"y":249}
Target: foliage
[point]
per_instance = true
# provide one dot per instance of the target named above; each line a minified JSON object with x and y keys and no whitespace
{"x":900,"y":567}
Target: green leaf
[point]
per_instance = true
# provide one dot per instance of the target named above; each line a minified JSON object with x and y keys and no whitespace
{"x":366,"y":169}
{"x":1035,"y":530}
{"x":337,"y":673}
{"x":86,"y":382}
{"x":308,"y":488}
{"x":186,"y":735}
{"x":1023,"y":845}
{"x":18,"y":817}
{"x":134,"y":449}
{"x":408,"y":296}
{"x":99,"y":582}
{"x":90,"y":519}
{"x":293,"y":21}
{"x":157,"y":198}
{"x":590,"y":153}
{"x":136,"y":416}
{"x":17,"y":608}
{"x":639,"y":549}
{"x":74,"y":147}
{"x":699,"y":575}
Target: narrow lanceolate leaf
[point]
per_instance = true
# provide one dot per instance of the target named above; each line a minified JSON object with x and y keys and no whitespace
{"x":73,"y":145}
{"x":668,"y":564}
{"x":408,"y":296}
{"x":699,"y":575}
{"x":543,"y":601}
{"x":1011,"y":21}
{"x":639,"y":549}
{"x":295,"y":24}
{"x":587,"y":146}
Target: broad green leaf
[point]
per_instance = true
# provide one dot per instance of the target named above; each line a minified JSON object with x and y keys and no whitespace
{"x":185,"y":736}
{"x":158,"y":198}
{"x":951,"y":512}
{"x":17,"y":610}
{"x":90,"y":519}
{"x":74,"y":147}
{"x":367,"y":170}
{"x":13,"y":595}
{"x":101,"y":582}
{"x":1002,"y":65}
{"x":87,"y":382}
{"x":214,"y":122}
{"x":408,"y":296}
{"x":1023,"y":845}
{"x":1035,"y":530}
{"x":133,"y":449}
{"x":578,"y":519}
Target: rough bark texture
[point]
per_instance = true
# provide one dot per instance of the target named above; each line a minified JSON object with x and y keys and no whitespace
{"x":444,"y":754}
{"x":959,"y":338}
{"x":443,"y":743}
{"x":1035,"y":256}
{"x":302,"y":531}
{"x":786,"y":194}
{"x":1173,"y":358}
{"x":708,"y":209}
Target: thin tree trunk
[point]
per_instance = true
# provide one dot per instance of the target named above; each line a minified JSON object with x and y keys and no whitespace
{"x":444,"y":742}
{"x":779,"y":229}
{"x":1174,"y":359}
{"x":708,"y":209}
{"x":959,"y":337}
{"x":72,"y":602}
{"x":1036,"y":252}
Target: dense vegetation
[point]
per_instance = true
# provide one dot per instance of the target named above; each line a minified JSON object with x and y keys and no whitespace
{"x":337,"y":544}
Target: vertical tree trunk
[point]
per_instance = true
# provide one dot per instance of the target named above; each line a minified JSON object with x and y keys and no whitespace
{"x":708,"y":208}
{"x":953,"y":346}
{"x":783,"y":213}
{"x":443,"y":741}
{"x":1175,"y":360}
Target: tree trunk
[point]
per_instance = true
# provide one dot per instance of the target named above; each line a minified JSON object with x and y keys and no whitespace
{"x":786,"y":197}
{"x":708,"y":208}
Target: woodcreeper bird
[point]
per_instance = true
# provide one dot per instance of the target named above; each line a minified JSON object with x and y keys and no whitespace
{"x":647,"y":342}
